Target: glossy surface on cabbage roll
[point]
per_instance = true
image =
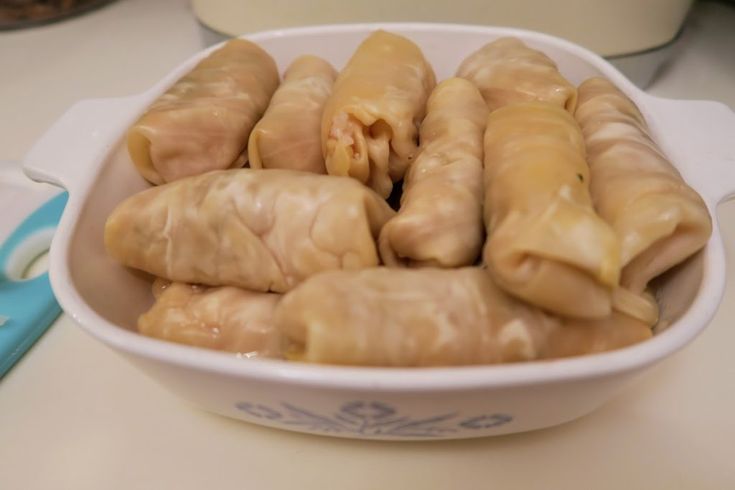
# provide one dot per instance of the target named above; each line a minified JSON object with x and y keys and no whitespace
{"x":440,"y":219}
{"x":203,"y":121}
{"x":221,"y":318}
{"x":431,"y":317}
{"x":545,"y":242}
{"x":404,"y":317}
{"x":660,"y":219}
{"x":507,"y":71}
{"x":264,"y":230}
{"x":369,"y":126}
{"x":289,"y":134}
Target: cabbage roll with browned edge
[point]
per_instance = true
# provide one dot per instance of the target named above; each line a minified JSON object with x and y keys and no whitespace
{"x":221,"y":318}
{"x":370,"y":122}
{"x":289,"y":134}
{"x":440,"y":219}
{"x":203,"y":121}
{"x":263,"y":230}
{"x":430,"y":317}
{"x":507,"y":71}
{"x":659,"y":219}
{"x":545,"y":242}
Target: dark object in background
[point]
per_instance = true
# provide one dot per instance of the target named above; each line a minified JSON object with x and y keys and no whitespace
{"x":18,"y":14}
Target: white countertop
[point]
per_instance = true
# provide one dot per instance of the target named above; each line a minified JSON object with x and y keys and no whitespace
{"x":75,"y":415}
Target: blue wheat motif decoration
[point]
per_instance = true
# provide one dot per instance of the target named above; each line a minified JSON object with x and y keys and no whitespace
{"x":371,"y":418}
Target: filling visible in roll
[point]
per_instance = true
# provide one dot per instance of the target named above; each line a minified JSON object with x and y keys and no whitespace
{"x":203,"y":121}
{"x":369,"y":126}
{"x":440,"y":219}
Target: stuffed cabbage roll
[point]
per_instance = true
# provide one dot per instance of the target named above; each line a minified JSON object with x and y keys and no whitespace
{"x":263,"y":230}
{"x":369,"y":126}
{"x":289,"y":134}
{"x":660,"y":219}
{"x":545,"y":242}
{"x":507,"y":71}
{"x":581,"y":337}
{"x":222,"y":318}
{"x":203,"y":121}
{"x":430,"y":317}
{"x":440,"y":219}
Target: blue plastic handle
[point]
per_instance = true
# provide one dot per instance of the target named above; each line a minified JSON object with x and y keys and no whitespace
{"x":27,"y":307}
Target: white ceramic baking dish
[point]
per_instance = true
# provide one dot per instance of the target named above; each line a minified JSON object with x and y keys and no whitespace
{"x":82,"y":152}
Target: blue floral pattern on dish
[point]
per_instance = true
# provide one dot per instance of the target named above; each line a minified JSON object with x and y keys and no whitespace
{"x":371,"y":418}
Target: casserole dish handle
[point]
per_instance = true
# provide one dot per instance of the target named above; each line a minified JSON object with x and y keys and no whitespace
{"x":700,"y":138}
{"x":66,"y":153}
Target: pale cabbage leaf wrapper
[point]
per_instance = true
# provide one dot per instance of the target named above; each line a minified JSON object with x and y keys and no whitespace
{"x":545,"y":242}
{"x":507,"y":71}
{"x":264,"y":230}
{"x":432,"y":317}
{"x":289,"y":134}
{"x":439,"y":222}
{"x":220,"y":318}
{"x":369,"y":126}
{"x":659,"y":218}
{"x":203,"y":121}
